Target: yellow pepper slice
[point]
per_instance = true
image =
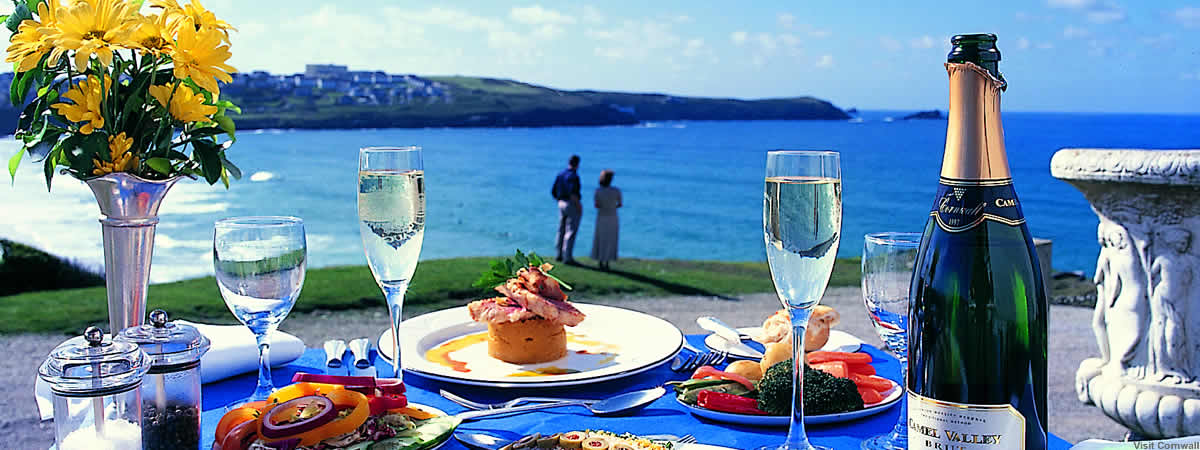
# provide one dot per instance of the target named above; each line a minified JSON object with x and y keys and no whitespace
{"x":297,"y":390}
{"x":360,"y":410}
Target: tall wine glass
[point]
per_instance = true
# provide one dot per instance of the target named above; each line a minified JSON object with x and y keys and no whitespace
{"x":391,"y":213}
{"x":887,"y":267}
{"x":802,"y":224}
{"x":259,"y":264}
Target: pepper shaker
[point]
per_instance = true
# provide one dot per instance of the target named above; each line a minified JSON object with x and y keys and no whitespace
{"x":171,"y":388}
{"x":95,"y":384}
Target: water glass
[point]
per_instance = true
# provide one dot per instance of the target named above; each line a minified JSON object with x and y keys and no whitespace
{"x":802,"y":225}
{"x":259,"y":264}
{"x":887,"y":267}
{"x":391,"y":213}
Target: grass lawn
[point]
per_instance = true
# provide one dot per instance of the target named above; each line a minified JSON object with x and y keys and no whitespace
{"x":437,"y":283}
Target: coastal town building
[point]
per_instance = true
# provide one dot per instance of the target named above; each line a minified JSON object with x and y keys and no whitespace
{"x":338,"y":85}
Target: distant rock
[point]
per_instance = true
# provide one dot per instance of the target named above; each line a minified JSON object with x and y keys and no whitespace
{"x":931,"y":114}
{"x":852,"y":111}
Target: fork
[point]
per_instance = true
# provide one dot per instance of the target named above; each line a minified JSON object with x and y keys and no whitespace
{"x":511,"y":403}
{"x":687,"y":439}
{"x":697,"y":360}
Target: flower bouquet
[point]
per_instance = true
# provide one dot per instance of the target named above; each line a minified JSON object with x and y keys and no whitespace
{"x":128,"y":103}
{"x":115,"y":90}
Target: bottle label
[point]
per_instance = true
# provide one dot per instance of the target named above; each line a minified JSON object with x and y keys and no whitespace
{"x":937,"y":425}
{"x":963,"y":204}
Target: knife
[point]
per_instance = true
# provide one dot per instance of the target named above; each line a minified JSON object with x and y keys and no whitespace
{"x":362,"y":367}
{"x":731,"y":335}
{"x":334,"y":349}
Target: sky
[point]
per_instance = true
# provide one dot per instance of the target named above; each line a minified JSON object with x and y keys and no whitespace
{"x":1058,"y":55}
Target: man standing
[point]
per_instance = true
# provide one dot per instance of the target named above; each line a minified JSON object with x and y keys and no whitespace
{"x":570,"y":210}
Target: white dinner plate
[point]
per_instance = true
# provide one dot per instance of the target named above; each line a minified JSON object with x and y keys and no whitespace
{"x":610,"y":343}
{"x":891,"y":396}
{"x":839,"y":341}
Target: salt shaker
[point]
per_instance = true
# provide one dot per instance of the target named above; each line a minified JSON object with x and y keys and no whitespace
{"x":171,"y":389}
{"x":95,"y":384}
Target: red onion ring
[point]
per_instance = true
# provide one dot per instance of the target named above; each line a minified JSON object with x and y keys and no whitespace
{"x":273,"y":430}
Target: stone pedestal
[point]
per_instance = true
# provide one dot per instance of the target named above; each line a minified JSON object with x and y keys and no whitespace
{"x":1147,"y":319}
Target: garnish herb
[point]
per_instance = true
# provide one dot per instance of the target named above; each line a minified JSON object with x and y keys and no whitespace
{"x":501,"y":270}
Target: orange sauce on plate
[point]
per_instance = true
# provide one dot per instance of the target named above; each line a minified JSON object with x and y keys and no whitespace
{"x":441,"y":354}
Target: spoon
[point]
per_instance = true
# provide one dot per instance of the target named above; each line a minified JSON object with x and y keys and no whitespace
{"x":490,"y":441}
{"x":620,"y":404}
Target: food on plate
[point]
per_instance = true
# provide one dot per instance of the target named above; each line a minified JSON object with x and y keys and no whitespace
{"x":322,"y":412}
{"x":745,"y":368}
{"x":778,"y":328}
{"x":823,"y":393}
{"x":772,"y":395}
{"x":589,"y":440}
{"x":775,"y":352}
{"x":526,"y":324}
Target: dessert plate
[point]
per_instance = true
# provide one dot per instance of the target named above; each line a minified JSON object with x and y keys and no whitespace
{"x":890,"y":397}
{"x":610,"y":343}
{"x":839,"y":341}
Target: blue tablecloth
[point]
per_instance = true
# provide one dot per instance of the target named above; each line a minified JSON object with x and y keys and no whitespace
{"x":663,"y":416}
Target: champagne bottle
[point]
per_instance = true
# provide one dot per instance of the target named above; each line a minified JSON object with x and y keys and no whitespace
{"x":977,"y":323}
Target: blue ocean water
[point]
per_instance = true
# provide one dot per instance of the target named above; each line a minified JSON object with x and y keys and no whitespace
{"x":692,"y":190}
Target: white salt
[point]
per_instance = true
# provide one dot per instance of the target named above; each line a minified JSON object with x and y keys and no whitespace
{"x":118,"y":435}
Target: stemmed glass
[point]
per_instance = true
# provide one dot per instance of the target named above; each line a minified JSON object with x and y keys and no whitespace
{"x":802,"y":224}
{"x":887,"y":267}
{"x":260,"y":264}
{"x":391,"y":213}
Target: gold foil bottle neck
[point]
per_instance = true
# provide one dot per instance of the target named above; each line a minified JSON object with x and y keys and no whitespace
{"x":974,"y":134}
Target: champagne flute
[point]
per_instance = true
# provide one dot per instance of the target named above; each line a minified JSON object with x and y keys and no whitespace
{"x":802,"y":224}
{"x":259,"y":264}
{"x":391,"y":213}
{"x":887,"y":268}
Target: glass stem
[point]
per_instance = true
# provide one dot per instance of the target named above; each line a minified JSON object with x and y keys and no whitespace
{"x":797,"y":438}
{"x":265,"y":385}
{"x":900,"y":432}
{"x":395,"y":301}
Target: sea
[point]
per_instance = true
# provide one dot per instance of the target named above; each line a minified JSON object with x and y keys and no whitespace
{"x":692,"y":189}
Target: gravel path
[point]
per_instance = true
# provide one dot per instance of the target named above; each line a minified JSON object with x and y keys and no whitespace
{"x":1071,"y":341}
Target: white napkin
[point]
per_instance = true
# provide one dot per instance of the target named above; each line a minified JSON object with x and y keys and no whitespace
{"x":1098,"y":444}
{"x":233,"y":351}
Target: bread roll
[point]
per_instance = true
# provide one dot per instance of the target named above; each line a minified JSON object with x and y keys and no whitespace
{"x":748,"y":369}
{"x":528,"y":341}
{"x":776,"y":352}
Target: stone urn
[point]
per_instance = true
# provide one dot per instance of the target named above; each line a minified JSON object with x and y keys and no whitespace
{"x":1147,"y":319}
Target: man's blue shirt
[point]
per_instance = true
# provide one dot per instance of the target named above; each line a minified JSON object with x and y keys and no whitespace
{"x":566,"y":185}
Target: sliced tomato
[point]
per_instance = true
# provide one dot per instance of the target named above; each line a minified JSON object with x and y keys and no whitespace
{"x":705,"y":372}
{"x":835,"y":368}
{"x":382,"y":403}
{"x":869,"y":395}
{"x":872,"y":382}
{"x":861,"y":369}
{"x":232,"y":419}
{"x":849,"y":357}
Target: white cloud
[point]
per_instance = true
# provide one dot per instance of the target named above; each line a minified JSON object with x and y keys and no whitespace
{"x":1044,"y":46}
{"x":636,"y":41}
{"x":1073,"y":4}
{"x":820,"y":33}
{"x":766,"y":41}
{"x":1094,"y":11}
{"x":1158,"y":39}
{"x":1188,"y":16}
{"x":890,"y":43}
{"x":537,"y":15}
{"x":922,"y":42}
{"x":788,"y":39}
{"x":1074,"y":32}
{"x":739,"y":37}
{"x":787,"y":20}
{"x":592,"y":15}
{"x":825,"y":62}
{"x":1103,"y":16}
{"x":1022,"y":43}
{"x":684,"y":18}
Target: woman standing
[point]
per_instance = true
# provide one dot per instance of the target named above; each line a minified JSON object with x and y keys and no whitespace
{"x":608,"y":199}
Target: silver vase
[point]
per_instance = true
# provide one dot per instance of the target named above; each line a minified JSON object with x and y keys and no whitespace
{"x":129,"y":214}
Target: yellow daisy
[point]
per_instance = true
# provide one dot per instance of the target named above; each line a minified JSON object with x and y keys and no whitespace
{"x":186,"y":105}
{"x":200,"y":17}
{"x":153,"y":35}
{"x":87,"y":97}
{"x":199,"y":55}
{"x":118,"y":151}
{"x":93,"y":27}
{"x":33,"y":39}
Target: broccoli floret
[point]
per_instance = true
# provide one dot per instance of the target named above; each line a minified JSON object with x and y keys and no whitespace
{"x":823,"y":393}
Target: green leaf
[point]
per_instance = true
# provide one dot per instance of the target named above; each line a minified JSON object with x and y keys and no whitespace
{"x":160,"y":165}
{"x":226,"y":124}
{"x":13,"y":163}
{"x":20,"y":14}
{"x":234,"y":171}
{"x":225,"y":178}
{"x":203,"y":132}
{"x":521,"y":260}
{"x":210,"y":162}
{"x":20,"y":86}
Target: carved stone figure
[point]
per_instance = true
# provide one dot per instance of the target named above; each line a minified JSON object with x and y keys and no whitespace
{"x":1147,"y":318}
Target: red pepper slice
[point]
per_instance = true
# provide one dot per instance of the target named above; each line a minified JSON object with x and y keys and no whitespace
{"x":725,"y":402}
{"x":380,"y":404}
{"x":712,"y":372}
{"x":849,"y":357}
